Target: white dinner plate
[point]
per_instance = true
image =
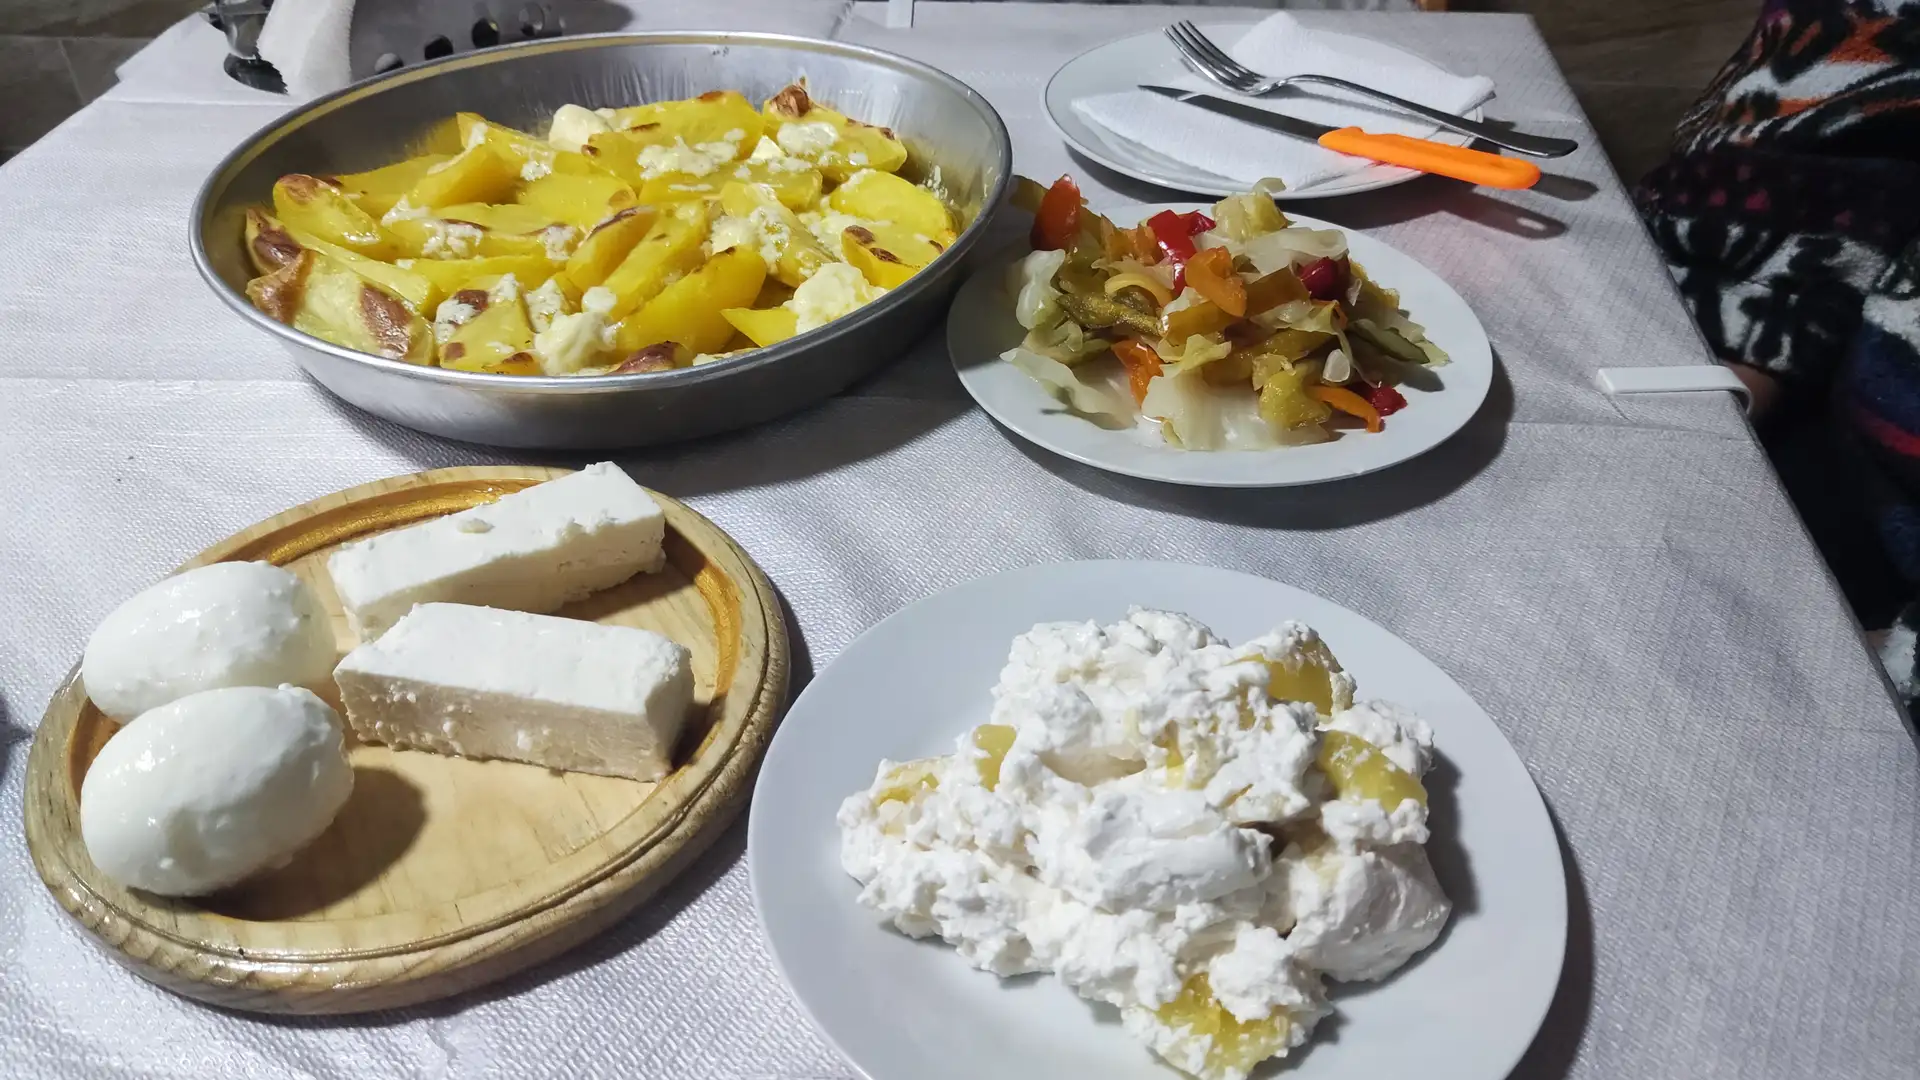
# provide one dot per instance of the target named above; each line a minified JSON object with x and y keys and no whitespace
{"x":981,"y":326}
{"x":1150,"y":58}
{"x":906,"y":1010}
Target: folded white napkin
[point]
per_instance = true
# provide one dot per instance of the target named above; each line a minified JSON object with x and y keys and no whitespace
{"x":306,"y":41}
{"x":1279,"y":46}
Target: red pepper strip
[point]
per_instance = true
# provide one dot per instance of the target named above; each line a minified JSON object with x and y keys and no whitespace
{"x":1386,"y":400}
{"x":1058,"y":220}
{"x":1174,"y":233}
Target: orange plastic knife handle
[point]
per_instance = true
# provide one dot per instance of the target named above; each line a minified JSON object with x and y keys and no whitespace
{"x":1473,"y":166}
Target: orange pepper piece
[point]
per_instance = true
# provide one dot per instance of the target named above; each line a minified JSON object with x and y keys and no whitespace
{"x":1347,"y":402}
{"x":1141,"y":362}
{"x":1210,"y":273}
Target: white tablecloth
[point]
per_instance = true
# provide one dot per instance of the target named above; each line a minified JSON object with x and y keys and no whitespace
{"x":1620,"y":583}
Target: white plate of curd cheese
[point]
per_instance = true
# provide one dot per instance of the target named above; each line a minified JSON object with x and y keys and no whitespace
{"x":1136,"y":819}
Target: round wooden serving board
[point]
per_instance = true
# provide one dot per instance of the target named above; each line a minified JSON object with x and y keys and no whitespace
{"x":440,"y":874}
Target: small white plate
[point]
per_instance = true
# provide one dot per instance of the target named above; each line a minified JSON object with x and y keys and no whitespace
{"x":981,"y":326}
{"x":1150,"y":58}
{"x":905,"y":1010}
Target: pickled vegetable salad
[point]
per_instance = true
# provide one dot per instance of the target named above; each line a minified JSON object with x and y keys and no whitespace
{"x":1234,"y":330}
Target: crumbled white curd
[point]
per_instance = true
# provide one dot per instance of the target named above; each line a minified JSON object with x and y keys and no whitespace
{"x":833,"y":290}
{"x":1190,"y":831}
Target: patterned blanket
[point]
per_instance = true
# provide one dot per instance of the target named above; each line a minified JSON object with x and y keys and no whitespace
{"x":1789,"y":213}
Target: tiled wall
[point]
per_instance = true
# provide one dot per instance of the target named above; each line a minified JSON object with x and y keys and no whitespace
{"x":57,"y":55}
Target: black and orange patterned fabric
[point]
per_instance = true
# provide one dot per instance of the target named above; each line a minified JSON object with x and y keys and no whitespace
{"x":1789,"y":214}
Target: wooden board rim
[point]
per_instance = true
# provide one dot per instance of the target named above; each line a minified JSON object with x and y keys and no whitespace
{"x":301,"y":981}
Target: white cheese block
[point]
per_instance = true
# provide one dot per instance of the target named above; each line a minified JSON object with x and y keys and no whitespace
{"x":478,"y":682}
{"x":535,"y":550}
{"x":209,"y":789}
{"x":228,"y":624}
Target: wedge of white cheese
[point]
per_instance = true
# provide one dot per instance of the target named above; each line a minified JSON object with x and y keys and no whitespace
{"x":478,"y":682}
{"x":534,"y":550}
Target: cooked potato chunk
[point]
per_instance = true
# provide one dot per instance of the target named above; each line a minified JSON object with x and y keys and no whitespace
{"x":839,"y":145}
{"x":269,"y":245}
{"x":661,"y":356}
{"x":606,"y":246}
{"x":316,"y":206}
{"x":377,"y":190}
{"x":797,"y":252}
{"x":713,"y":117}
{"x":451,"y":275}
{"x":582,"y":201}
{"x":460,"y":238}
{"x":315,"y":295}
{"x":507,"y":218}
{"x":689,"y":310}
{"x":879,"y":196}
{"x":531,"y":158}
{"x":477,"y":174}
{"x":670,"y":250}
{"x":887,"y":254}
{"x":489,"y":332}
{"x":764,"y":327}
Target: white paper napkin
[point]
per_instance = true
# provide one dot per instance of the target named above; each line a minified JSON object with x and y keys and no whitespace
{"x":307,"y":43}
{"x":1279,"y":46}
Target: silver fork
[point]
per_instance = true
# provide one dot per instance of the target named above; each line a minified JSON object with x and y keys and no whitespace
{"x":1212,"y":63}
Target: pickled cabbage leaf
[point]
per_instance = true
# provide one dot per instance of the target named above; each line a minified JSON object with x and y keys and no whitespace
{"x":1085,"y":398}
{"x":1378,"y":320}
{"x":1291,"y":247}
{"x":1161,"y":272}
{"x":1253,"y":213}
{"x":1197,"y":415}
{"x":1036,"y":302}
{"x":1037,"y":307}
{"x":1322,"y":316}
{"x":1194,"y":353}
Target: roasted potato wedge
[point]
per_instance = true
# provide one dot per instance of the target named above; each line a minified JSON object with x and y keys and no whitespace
{"x":887,"y":254}
{"x":377,"y":190}
{"x":689,"y":310}
{"x":797,"y":252}
{"x":763,"y":327}
{"x":603,"y":249}
{"x":451,"y":275}
{"x":271,"y":245}
{"x":580,"y":200}
{"x":840,"y":146}
{"x":670,"y":250}
{"x":661,"y":356}
{"x":461,"y":237}
{"x":713,"y":117}
{"x":492,"y":334}
{"x":880,"y":196}
{"x":478,"y":174}
{"x":315,"y":295}
{"x":315,"y":206}
{"x":503,"y":218}
{"x":531,"y":158}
